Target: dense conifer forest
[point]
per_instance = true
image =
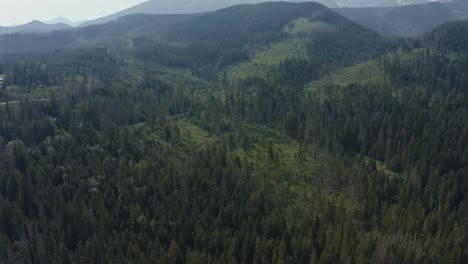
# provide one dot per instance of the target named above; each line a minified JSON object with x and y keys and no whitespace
{"x":270,"y":133}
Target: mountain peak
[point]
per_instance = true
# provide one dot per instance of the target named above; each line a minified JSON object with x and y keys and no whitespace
{"x":34,"y":26}
{"x":60,"y":20}
{"x":35,"y":22}
{"x":187,"y":7}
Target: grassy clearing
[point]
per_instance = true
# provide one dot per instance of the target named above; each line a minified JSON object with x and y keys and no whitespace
{"x":284,"y":157}
{"x":190,"y":137}
{"x":193,"y":135}
{"x":177,"y":77}
{"x":299,"y":171}
{"x":268,"y":57}
{"x":367,"y":72}
{"x":260,"y":138}
{"x":304,"y":25}
{"x":381,"y":167}
{"x":296,"y":170}
{"x":48,"y":92}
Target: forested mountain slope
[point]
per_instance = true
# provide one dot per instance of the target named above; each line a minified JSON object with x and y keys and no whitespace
{"x":450,"y":37}
{"x":214,"y":41}
{"x":162,"y":146}
{"x":244,"y":20}
{"x":184,"y":7}
{"x":403,"y":21}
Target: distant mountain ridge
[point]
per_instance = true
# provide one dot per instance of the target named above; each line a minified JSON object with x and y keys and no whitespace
{"x":186,"y":7}
{"x":58,"y":20}
{"x":408,"y":20}
{"x":34,"y":27}
{"x":142,"y":23}
{"x":261,"y":18}
{"x":412,"y":20}
{"x":244,"y":20}
{"x":64,"y":20}
{"x":376,"y":18}
{"x":382,"y":3}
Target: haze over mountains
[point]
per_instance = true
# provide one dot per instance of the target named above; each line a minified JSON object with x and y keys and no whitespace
{"x":408,"y":20}
{"x":197,"y":6}
{"x":64,"y":20}
{"x":404,"y":21}
{"x":382,"y":3}
{"x":390,"y":21}
{"x":185,"y":7}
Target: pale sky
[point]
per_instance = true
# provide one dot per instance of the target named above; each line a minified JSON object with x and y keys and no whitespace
{"x":23,"y":11}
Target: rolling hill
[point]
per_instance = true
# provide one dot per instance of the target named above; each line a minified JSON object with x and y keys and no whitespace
{"x":449,"y":37}
{"x":183,"y":7}
{"x":198,"y":6}
{"x":64,"y":20}
{"x":241,"y":20}
{"x":238,"y":23}
{"x":251,"y":40}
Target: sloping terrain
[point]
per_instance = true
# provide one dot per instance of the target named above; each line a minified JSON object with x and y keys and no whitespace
{"x":280,"y":134}
{"x":451,"y":37}
{"x":184,"y":7}
{"x":243,"y":21}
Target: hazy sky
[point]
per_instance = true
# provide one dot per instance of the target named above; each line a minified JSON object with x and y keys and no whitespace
{"x":22,"y":11}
